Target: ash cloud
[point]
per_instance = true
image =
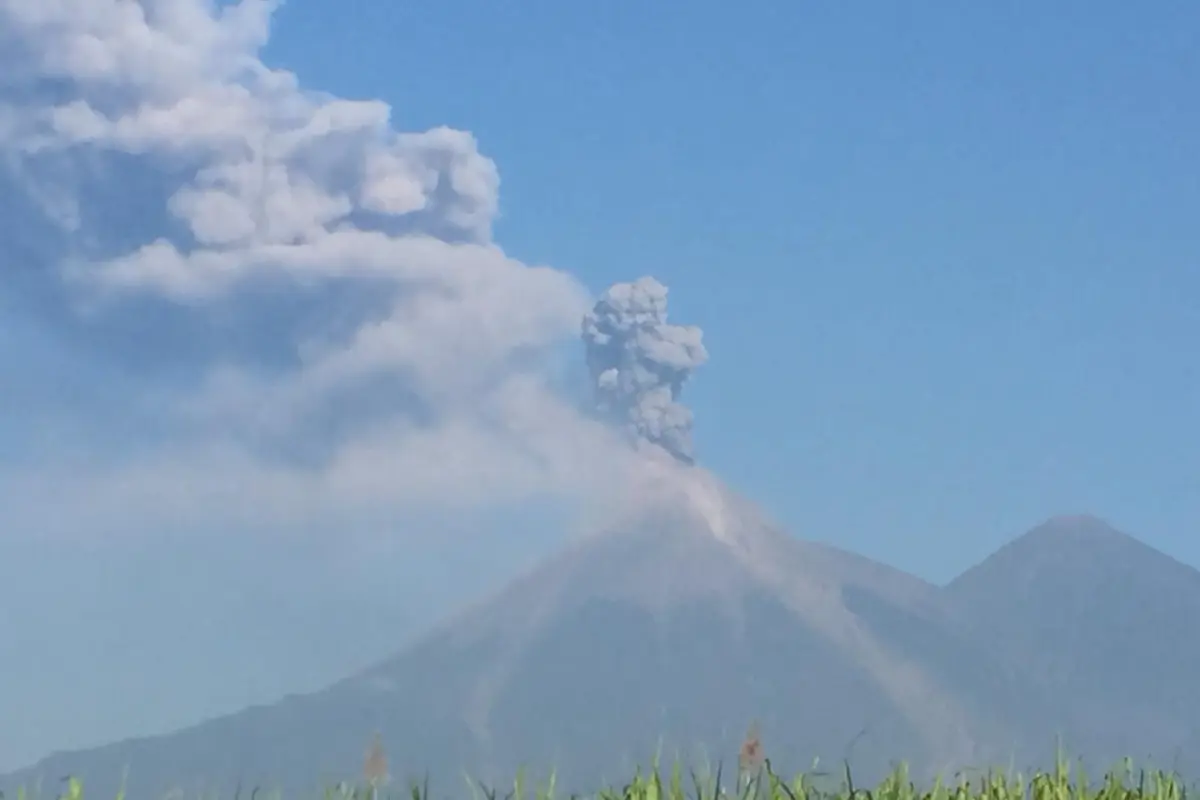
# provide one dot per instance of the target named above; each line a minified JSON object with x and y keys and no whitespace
{"x":639,"y":364}
{"x":278,"y":293}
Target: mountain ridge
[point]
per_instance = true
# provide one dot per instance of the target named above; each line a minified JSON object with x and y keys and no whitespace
{"x":684,"y":612}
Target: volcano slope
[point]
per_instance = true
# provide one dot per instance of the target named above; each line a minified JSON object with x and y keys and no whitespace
{"x":670,"y":628}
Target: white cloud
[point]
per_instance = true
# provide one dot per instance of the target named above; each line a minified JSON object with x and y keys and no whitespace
{"x":267,"y":184}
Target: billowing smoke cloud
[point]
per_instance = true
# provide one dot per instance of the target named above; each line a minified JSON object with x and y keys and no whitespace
{"x":639,"y":364}
{"x":290,"y":309}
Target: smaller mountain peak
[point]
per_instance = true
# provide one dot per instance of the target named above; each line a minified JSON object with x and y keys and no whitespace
{"x":1087,"y":525}
{"x":1065,"y":539}
{"x":1075,"y":521}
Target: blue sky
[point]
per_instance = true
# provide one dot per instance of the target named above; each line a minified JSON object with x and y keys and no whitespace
{"x":946,"y":261}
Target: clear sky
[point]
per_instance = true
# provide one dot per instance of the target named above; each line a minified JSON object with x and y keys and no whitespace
{"x":946,"y":259}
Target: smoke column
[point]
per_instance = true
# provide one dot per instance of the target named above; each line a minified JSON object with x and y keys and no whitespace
{"x":639,"y":364}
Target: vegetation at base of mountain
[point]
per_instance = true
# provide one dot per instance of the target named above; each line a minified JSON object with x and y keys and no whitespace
{"x":754,"y":779}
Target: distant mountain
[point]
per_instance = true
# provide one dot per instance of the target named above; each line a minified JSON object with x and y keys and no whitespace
{"x":1107,"y":626}
{"x":685,"y":617}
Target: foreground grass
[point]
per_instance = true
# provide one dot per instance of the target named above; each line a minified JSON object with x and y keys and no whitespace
{"x":757,"y":781}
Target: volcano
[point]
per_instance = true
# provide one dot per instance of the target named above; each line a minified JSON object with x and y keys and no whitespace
{"x":674,"y":623}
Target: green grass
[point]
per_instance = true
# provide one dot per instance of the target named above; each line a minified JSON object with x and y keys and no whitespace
{"x":760,"y":782}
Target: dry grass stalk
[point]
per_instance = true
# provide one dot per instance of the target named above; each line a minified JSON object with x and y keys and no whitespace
{"x":375,"y":766}
{"x":751,"y":755}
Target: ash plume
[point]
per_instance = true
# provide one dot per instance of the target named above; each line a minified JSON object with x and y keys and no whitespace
{"x":639,"y":363}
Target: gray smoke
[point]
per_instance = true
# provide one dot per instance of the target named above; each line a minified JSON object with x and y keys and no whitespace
{"x":639,"y":364}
